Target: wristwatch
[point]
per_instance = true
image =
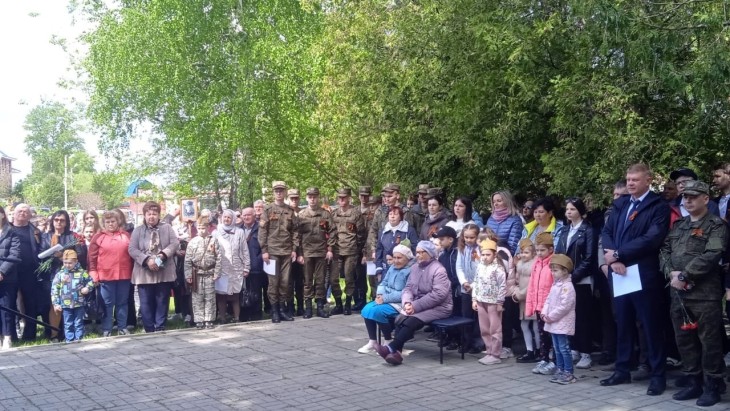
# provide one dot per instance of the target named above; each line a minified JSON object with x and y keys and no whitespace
{"x":615,"y":254}
{"x":681,"y":277}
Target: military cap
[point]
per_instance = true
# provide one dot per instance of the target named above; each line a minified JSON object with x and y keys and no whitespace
{"x":344,"y":192}
{"x":390,"y":187}
{"x":488,"y":245}
{"x":423,"y":188}
{"x":544,"y":238}
{"x":435,"y":191}
{"x":70,"y":255}
{"x":279,"y":184}
{"x":365,"y":191}
{"x":313,"y":191}
{"x":524,"y":243}
{"x":695,"y":188}
{"x":294,"y":192}
{"x":563,"y":261}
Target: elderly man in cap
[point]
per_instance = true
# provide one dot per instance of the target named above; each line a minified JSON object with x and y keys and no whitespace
{"x":690,"y":259}
{"x":279,"y":237}
{"x":297,"y":269}
{"x":317,"y":234}
{"x":349,"y":241}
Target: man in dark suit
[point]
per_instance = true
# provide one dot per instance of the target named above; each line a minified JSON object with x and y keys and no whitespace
{"x":256,"y":282}
{"x":633,"y":236}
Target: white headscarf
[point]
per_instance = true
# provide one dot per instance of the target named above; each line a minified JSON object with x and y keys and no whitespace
{"x":222,"y":228}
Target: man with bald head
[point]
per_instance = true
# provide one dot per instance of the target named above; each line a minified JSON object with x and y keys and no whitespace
{"x":28,"y":284}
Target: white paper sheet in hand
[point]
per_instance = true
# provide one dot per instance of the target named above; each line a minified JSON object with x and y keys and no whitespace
{"x":627,"y":284}
{"x":370,"y":268}
{"x":221,"y":285}
{"x":270,"y":268}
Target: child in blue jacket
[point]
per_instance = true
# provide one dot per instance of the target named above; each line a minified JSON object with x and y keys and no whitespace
{"x":69,"y":289}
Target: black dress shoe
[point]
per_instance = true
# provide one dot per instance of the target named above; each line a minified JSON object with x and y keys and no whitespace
{"x":656,"y":386}
{"x":616,"y":379}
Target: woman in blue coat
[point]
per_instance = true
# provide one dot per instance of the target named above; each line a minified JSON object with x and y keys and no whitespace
{"x":9,"y":257}
{"x":395,"y":231}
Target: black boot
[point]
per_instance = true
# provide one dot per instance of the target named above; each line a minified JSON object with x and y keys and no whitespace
{"x":710,"y":393}
{"x":338,"y":306}
{"x":692,"y":390}
{"x":359,"y":301}
{"x":528,"y":357}
{"x":284,"y":314}
{"x":321,"y":313}
{"x":348,"y":305}
{"x":290,"y":308}
{"x":275,"y":313}
{"x":307,"y":308}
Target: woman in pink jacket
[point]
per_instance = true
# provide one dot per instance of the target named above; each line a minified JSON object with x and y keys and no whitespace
{"x":540,"y":282}
{"x":559,"y":316}
{"x":111,"y":266}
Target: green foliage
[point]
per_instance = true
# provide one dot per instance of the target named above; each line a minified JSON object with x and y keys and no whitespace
{"x":554,"y":96}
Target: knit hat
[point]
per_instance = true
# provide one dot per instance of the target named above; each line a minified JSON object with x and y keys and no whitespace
{"x":563,"y":261}
{"x":428,"y":247}
{"x":524,"y":243}
{"x":488,"y":245}
{"x":401,"y":249}
{"x":70,"y":255}
{"x":544,"y":239}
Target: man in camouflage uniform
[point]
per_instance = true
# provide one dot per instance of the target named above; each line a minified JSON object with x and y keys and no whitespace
{"x":279,"y":236}
{"x":361,"y":277}
{"x":391,"y":198}
{"x":297,"y":269}
{"x":350,"y":238}
{"x":690,"y":260}
{"x":420,"y":210}
{"x":317,"y":236}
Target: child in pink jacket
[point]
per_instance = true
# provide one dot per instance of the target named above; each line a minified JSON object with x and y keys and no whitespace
{"x":559,"y":316}
{"x":541,"y":280}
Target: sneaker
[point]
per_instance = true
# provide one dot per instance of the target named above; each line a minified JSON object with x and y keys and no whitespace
{"x":122,"y":331}
{"x":106,"y":334}
{"x":673,"y":362}
{"x":727,"y":360}
{"x":506,"y":353}
{"x":548,"y":369}
{"x":538,"y":367}
{"x":528,"y":357}
{"x":7,"y":343}
{"x":567,"y":378}
{"x":575,"y":355}
{"x":556,"y":377}
{"x":188,"y":318}
{"x":367,"y":348}
{"x":489,"y":360}
{"x":585,"y":362}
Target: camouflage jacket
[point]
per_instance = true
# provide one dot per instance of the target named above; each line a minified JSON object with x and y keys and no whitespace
{"x":278,"y":230}
{"x":316,"y":232}
{"x":350,"y":231}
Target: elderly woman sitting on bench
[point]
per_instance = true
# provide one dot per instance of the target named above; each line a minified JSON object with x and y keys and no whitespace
{"x":426,"y":297}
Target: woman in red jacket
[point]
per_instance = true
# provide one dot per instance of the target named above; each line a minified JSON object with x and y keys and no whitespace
{"x":111,"y":266}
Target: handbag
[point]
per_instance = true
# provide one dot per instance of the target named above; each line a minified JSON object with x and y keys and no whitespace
{"x":247,"y":298}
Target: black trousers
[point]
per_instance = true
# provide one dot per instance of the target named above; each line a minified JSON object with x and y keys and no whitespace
{"x":648,"y":307}
{"x":608,"y":322}
{"x":474,"y":337}
{"x":510,"y":321}
{"x":404,"y":331}
{"x":581,"y":341}
{"x":8,"y":295}
{"x":255,"y":282}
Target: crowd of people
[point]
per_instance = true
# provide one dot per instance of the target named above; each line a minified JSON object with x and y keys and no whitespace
{"x":642,"y":282}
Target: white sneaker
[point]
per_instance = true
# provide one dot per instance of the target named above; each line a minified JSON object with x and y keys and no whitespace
{"x":539,"y":366}
{"x":576,"y":355}
{"x":367,"y":348}
{"x":727,"y":360}
{"x":585,"y":361}
{"x":548,"y":369}
{"x":7,"y":343}
{"x":174,"y":317}
{"x":489,"y":360}
{"x":506,"y":353}
{"x":188,"y":318}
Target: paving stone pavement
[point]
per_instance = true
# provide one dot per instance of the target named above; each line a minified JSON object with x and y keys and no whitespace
{"x":308,"y":364}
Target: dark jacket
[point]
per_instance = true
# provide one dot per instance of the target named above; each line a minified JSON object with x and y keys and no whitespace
{"x":66,"y":238}
{"x":254,"y":249}
{"x":429,"y":227}
{"x":448,"y":260}
{"x":638,"y":240}
{"x":9,"y":254}
{"x":581,"y":250}
{"x":388,"y":241}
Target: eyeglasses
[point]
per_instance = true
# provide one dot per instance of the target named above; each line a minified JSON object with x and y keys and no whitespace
{"x":59,"y":220}
{"x":527,"y":207}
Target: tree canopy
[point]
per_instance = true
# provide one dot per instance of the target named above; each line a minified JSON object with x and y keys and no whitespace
{"x":538,"y":97}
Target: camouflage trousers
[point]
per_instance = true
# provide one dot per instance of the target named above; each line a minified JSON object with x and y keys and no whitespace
{"x":204,"y":299}
{"x":347,"y":264}
{"x":701,"y":349}
{"x":314,"y":286}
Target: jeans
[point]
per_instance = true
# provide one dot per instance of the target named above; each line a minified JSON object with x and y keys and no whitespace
{"x":8,"y":293}
{"x":116,"y":299}
{"x":154,"y":302}
{"x":563,"y":358}
{"x":73,"y":323}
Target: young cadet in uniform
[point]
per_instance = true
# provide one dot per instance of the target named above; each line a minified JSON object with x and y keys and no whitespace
{"x":297,"y":269}
{"x":361,"y":277}
{"x":690,"y":259}
{"x":349,"y":239}
{"x":279,"y":236}
{"x":317,"y":236}
{"x":391,"y":197}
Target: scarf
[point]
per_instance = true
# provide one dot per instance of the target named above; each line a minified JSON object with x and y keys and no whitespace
{"x":227,"y":229}
{"x":402,"y":226}
{"x":500,"y":214}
